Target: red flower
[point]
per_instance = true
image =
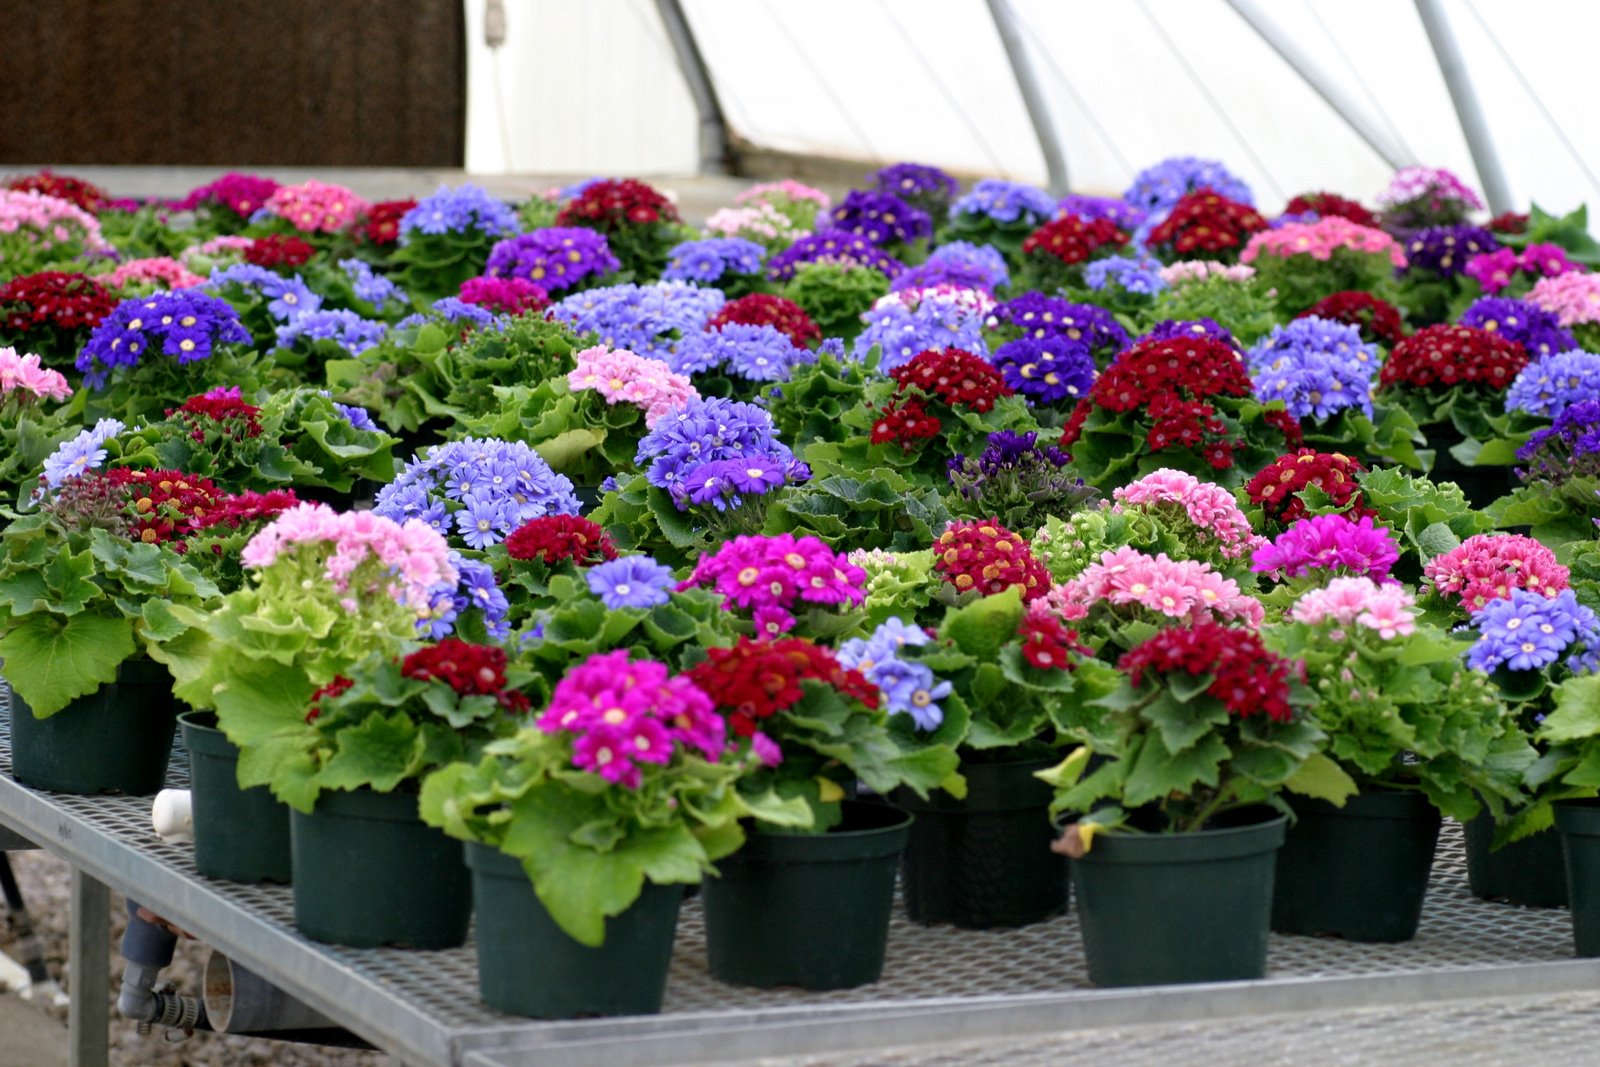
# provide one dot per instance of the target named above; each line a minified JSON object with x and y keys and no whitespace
{"x":906,"y":422}
{"x":958,"y":378}
{"x":553,"y":538}
{"x":233,"y":418}
{"x":1247,"y":677}
{"x":609,"y":206}
{"x":1326,"y":204}
{"x":165,"y":505}
{"x":1448,"y":355}
{"x":382,"y":225}
{"x":1073,"y":239}
{"x":1509,"y":222}
{"x":471,"y":670}
{"x":1276,"y":487}
{"x":1047,"y":644}
{"x":339,"y":684}
{"x":66,"y":301}
{"x":86,"y":195}
{"x":755,"y":680}
{"x":985,"y":556}
{"x":1378,"y":320}
{"x":1206,"y":224}
{"x":506,"y":296}
{"x":277,"y":250}
{"x":764,"y":309}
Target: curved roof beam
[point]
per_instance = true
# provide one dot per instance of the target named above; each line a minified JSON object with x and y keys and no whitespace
{"x":1044,"y":128}
{"x":1474,"y":127}
{"x":715,"y":155}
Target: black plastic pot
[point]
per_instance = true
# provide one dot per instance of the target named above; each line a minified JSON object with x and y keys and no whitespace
{"x":1156,"y":909}
{"x":808,"y":910}
{"x":1358,"y":872}
{"x":1579,"y":824}
{"x":1531,"y":872}
{"x":528,"y":966}
{"x":368,"y":872}
{"x":1481,"y":486}
{"x":240,"y":835}
{"x":984,"y":861}
{"x":117,"y":739}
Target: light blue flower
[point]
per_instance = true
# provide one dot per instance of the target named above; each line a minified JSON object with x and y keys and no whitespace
{"x":630,"y":582}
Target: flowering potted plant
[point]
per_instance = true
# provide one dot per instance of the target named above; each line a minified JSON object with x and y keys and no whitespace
{"x":640,"y":225}
{"x":1307,"y":261}
{"x":1203,"y":732}
{"x":90,"y":585}
{"x":1435,"y":284}
{"x":1558,"y":479}
{"x":1001,"y":214}
{"x":1018,"y":481}
{"x":1034,"y":316}
{"x":39,"y":231}
{"x":1200,"y":290}
{"x":731,"y":264}
{"x":558,"y":259}
{"x":28,"y":431}
{"x":836,"y":289}
{"x":1205,"y":224}
{"x":1378,"y":320}
{"x":1057,"y":252}
{"x":447,"y":237}
{"x":51,"y":313}
{"x":886,"y":220}
{"x":1421,"y":737}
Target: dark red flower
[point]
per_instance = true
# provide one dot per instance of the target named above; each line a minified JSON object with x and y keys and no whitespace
{"x":382,"y":224}
{"x":1206,"y":224}
{"x":764,"y":309}
{"x":1450,"y":355}
{"x":1509,"y":222}
{"x":227,"y":415}
{"x":66,"y":301}
{"x":1247,"y":677}
{"x":983,"y":555}
{"x":907,"y":423}
{"x":609,"y":206}
{"x":755,"y":680}
{"x":1378,"y":320}
{"x":278,"y":250}
{"x":1330,"y":204}
{"x":553,"y":538}
{"x":1047,"y":643}
{"x":84,"y":194}
{"x":1276,"y":487}
{"x":1073,"y":239}
{"x":339,"y":684}
{"x":958,"y":378}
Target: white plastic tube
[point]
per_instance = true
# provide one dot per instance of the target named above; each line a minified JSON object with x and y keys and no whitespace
{"x":172,"y":815}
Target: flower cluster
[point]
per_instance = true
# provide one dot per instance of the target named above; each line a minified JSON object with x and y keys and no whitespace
{"x":1156,"y":189}
{"x":787,"y":194}
{"x":610,"y":206}
{"x":1316,"y":367}
{"x":1445,"y":250}
{"x":1525,"y":631}
{"x":1276,"y":487}
{"x":1208,"y":224}
{"x":287,"y":298}
{"x":1039,"y":316}
{"x":1449,"y":356}
{"x":1247,"y":677}
{"x":773,"y":578}
{"x":1567,"y":449}
{"x":277,"y":251}
{"x":764,"y":309}
{"x":1330,"y":205}
{"x":1003,"y":201}
{"x":316,"y":207}
{"x":927,"y":188}
{"x":648,"y":319}
{"x":413,"y":555}
{"x":343,"y":327}
{"x":1073,"y":239}
{"x":1386,"y":608}
{"x":553,"y":259}
{"x":505,"y":296}
{"x":83,"y":452}
{"x":484,"y":488}
{"x":1110,"y":208}
{"x":882,"y":218}
{"x":551,"y":539}
{"x":1047,"y":643}
{"x":50,"y":224}
{"x":762,"y":223}
{"x":1488,"y":567}
{"x":622,"y":377}
{"x":621,"y":713}
{"x":1574,"y":297}
{"x":707,"y":261}
{"x":1428,"y":192}
{"x":1335,"y":543}
{"x":1018,"y":478}
{"x":1321,"y":239}
{"x":64,"y":301}
{"x":755,"y":680}
{"x":711,"y":447}
{"x":832,"y":246}
{"x":162,"y":272}
{"x":1201,"y":327}
{"x":186,"y":325}
{"x":465,"y":209}
{"x":382,"y":227}
{"x":1549,"y":385}
{"x":1046,"y":371}
{"x":950,"y":376}
{"x":25,"y":379}
{"x":222,"y":412}
{"x":1182,"y":590}
{"x":1378,"y":320}
{"x":909,"y":686}
{"x":471,"y":670}
{"x":985,"y":556}
{"x":903,"y":323}
{"x":960,"y":264}
{"x":1208,"y":508}
{"x":1198,"y":270}
{"x":1494,"y":271}
{"x":86,"y":195}
{"x":631,"y":582}
{"x":242,"y":194}
{"x":1139,"y":276}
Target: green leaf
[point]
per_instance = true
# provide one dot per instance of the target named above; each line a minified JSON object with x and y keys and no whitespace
{"x":983,"y":626}
{"x":1324,"y":779}
{"x":1180,"y":724}
{"x":381,"y":751}
{"x":1577,"y":711}
{"x":1158,"y":771}
{"x":51,"y":661}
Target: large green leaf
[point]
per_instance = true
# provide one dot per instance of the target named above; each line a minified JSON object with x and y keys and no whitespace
{"x":381,"y":751}
{"x":51,"y":661}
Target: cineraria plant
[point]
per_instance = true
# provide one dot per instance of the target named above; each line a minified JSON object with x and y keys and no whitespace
{"x":905,"y":322}
{"x":1052,"y":373}
{"x":924,"y":187}
{"x":1017,"y":480}
{"x":41,"y":232}
{"x":1507,"y":272}
{"x":1489,"y":567}
{"x":1000,"y":214}
{"x":957,"y":263}
{"x":765,"y":309}
{"x":1324,"y":204}
{"x":51,"y":313}
{"x":1202,"y":519}
{"x":1040,"y":317}
{"x":884,"y":219}
{"x":1452,"y":381}
{"x":1205,"y":224}
{"x":1558,"y":472}
{"x":557,"y":259}
{"x":1399,"y":711}
{"x":1205,"y":719}
{"x":1315,"y":549}
{"x":314,"y":208}
{"x":1232,"y":296}
{"x":28,"y":432}
{"x":1158,"y":188}
{"x":738,"y":361}
{"x":837,"y":293}
{"x":1378,"y":320}
{"x":640,"y":225}
{"x":1426,"y":518}
{"x":505,"y":296}
{"x":1056,"y":252}
{"x":1434,"y":284}
{"x":1536,"y":329}
{"x":732,"y":264}
{"x":782,"y":583}
{"x":1306,"y":262}
{"x":1276,"y":488}
{"x":648,"y":319}
{"x":446,"y":239}
{"x":1126,"y":595}
{"x":1419,"y":196}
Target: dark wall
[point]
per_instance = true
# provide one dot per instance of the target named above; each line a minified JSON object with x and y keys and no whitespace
{"x":248,"y":82}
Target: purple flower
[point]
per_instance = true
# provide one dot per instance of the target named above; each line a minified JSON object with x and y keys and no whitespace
{"x":1141,"y":276}
{"x":1317,"y":367}
{"x":709,"y":431}
{"x":832,"y":246}
{"x":1445,"y":250}
{"x":1005,"y":202}
{"x":1551,"y":384}
{"x":1201,"y":327}
{"x":184,"y":323}
{"x":1568,"y":449}
{"x":84,"y":452}
{"x":919,"y":185}
{"x":1125,"y":215}
{"x":375,"y":289}
{"x":345,"y":328}
{"x":1040,"y":316}
{"x":477,"y":480}
{"x":882,"y":218}
{"x":630,"y":582}
{"x":468,"y":208}
{"x":1157,"y":189}
{"x":648,"y":320}
{"x":958,"y":263}
{"x":1527,"y":631}
{"x":708,"y":260}
{"x":484,"y":521}
{"x":556,"y":258}
{"x":1046,"y":370}
{"x":357,"y":417}
{"x":1333,"y":543}
{"x":1535,"y":329}
{"x":754,"y":353}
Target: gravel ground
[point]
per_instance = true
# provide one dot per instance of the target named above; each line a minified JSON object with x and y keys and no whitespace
{"x":45,"y":881}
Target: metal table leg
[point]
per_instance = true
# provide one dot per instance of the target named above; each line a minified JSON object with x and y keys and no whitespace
{"x":89,"y":1017}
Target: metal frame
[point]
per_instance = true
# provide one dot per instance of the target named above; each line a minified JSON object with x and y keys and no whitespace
{"x":1044,"y":128}
{"x":715,"y":155}
{"x":1469,"y":113}
{"x":1321,"y":83}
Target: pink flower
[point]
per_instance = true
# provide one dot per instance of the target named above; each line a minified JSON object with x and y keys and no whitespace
{"x":1493,"y":270}
{"x":1488,"y":567}
{"x":774,"y":576}
{"x":1574,"y":297}
{"x":317,"y":207}
{"x":23,"y":374}
{"x":1128,"y":581}
{"x":1387,"y":609}
{"x":1211,"y":508}
{"x":165,"y":271}
{"x":1334,"y":543}
{"x":1201,"y":269}
{"x":620,"y":376}
{"x":410,"y":558}
{"x":1321,"y":239}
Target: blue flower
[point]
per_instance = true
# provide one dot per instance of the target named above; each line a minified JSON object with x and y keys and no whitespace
{"x":348,"y":330}
{"x":1048,"y":370}
{"x":754,"y":353}
{"x":706,"y":261}
{"x":900,"y":327}
{"x":630,"y":582}
{"x":1317,"y":367}
{"x":468,"y":208}
{"x":1142,"y":276}
{"x":1157,"y":189}
{"x":374,"y":288}
{"x":892,"y":635}
{"x":959,"y":263}
{"x":82,"y":453}
{"x":1124,"y":214}
{"x":1527,"y":631}
{"x":648,"y":320}
{"x":187,"y":324}
{"x":706,"y":431}
{"x":1551,"y":384}
{"x":910,"y":688}
{"x":1003,"y":201}
{"x":357,"y":417}
{"x":465,"y":484}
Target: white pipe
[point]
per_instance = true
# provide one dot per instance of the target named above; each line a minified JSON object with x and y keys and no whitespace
{"x":172,"y":816}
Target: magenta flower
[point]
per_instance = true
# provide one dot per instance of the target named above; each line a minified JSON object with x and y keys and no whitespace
{"x":1332,"y":543}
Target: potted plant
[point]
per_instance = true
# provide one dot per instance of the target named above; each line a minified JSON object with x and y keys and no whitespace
{"x":27,"y":431}
{"x":90,"y":585}
{"x":583,"y":829}
{"x":1420,"y":736}
{"x":1175,"y":832}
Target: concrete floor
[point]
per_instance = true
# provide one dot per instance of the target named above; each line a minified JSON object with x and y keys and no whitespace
{"x":29,"y":1037}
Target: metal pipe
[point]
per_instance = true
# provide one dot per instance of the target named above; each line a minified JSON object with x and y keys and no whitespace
{"x":1055,"y":162}
{"x":715,"y":156}
{"x":89,"y":963}
{"x":1321,"y":83}
{"x":147,"y":948}
{"x":239,"y":1001}
{"x":1474,"y":127}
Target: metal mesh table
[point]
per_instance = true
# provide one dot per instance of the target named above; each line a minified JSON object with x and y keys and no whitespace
{"x":940,"y":984}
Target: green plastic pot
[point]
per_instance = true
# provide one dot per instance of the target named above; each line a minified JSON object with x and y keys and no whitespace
{"x":117,"y":739}
{"x":1579,"y":824}
{"x":1157,"y":909}
{"x":527,"y":965}
{"x":1531,"y":872}
{"x":240,"y":835}
{"x":369,"y":872}
{"x":1358,"y":872}
{"x":984,"y":861}
{"x":807,"y":910}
